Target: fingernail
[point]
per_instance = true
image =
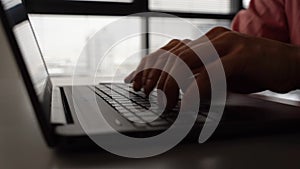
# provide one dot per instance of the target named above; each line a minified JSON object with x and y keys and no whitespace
{"x":127,"y":80}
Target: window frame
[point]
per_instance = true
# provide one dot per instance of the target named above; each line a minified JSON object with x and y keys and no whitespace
{"x":115,"y":8}
{"x":67,"y":7}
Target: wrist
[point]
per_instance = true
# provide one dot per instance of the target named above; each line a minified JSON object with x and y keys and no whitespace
{"x":297,"y":56}
{"x":292,"y":54}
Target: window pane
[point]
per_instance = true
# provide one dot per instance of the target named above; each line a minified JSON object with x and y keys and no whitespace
{"x":122,"y":1}
{"x":181,"y":30}
{"x":246,"y":3}
{"x":62,"y":39}
{"x":196,"y":6}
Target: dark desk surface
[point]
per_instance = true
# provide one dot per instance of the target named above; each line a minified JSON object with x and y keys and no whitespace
{"x":22,"y":147}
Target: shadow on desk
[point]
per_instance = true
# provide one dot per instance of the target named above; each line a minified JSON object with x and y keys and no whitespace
{"x":280,"y":151}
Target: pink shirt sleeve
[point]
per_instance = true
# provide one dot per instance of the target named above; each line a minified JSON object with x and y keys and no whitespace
{"x":264,"y":18}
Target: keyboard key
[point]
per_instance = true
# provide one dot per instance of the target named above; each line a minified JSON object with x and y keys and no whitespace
{"x":130,"y":104}
{"x":134,"y":119}
{"x":149,"y":118}
{"x":124,"y":101}
{"x":134,"y":106}
{"x":139,"y":110}
{"x":115,"y":104}
{"x":140,"y":125}
{"x":121,"y":109}
{"x":127,"y":114}
{"x":124,"y":111}
{"x":145,"y":113}
{"x":158,"y":123}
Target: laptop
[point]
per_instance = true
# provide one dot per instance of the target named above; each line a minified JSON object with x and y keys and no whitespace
{"x":126,"y":111}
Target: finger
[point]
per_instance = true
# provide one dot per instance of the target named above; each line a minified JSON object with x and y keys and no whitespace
{"x":157,"y":57}
{"x":187,"y":82}
{"x":172,"y":94}
{"x":179,"y":75}
{"x":130,"y":77}
{"x":168,"y":84}
{"x":137,"y":79}
{"x":171,"y":91}
{"x":182,"y":71}
{"x":138,"y":73}
{"x":154,"y":74}
{"x":171,"y":60}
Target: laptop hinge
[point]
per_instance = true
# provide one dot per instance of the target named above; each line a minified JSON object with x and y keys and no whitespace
{"x":60,"y":111}
{"x":67,"y":111}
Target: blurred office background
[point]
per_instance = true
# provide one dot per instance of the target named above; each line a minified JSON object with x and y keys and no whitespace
{"x":62,"y":37}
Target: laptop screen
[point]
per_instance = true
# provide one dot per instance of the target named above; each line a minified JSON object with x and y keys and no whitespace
{"x":32,"y":57}
{"x":28,"y":45}
{"x":29,"y":59}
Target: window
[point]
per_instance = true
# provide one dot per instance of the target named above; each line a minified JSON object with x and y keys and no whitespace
{"x":195,"y":6}
{"x":120,"y":1}
{"x":180,"y":29}
{"x":63,"y":37}
{"x":246,"y":3}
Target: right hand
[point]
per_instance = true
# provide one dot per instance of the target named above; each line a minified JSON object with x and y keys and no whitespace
{"x":251,"y":64}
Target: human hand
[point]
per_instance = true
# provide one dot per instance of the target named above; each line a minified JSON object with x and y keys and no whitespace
{"x":251,"y":64}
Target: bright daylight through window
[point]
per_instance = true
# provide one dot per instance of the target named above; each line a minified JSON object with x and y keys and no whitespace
{"x":62,"y":37}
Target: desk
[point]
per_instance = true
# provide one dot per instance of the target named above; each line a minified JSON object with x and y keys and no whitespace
{"x":22,"y":146}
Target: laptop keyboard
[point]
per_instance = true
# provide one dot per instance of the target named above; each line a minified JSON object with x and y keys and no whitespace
{"x":134,"y":106}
